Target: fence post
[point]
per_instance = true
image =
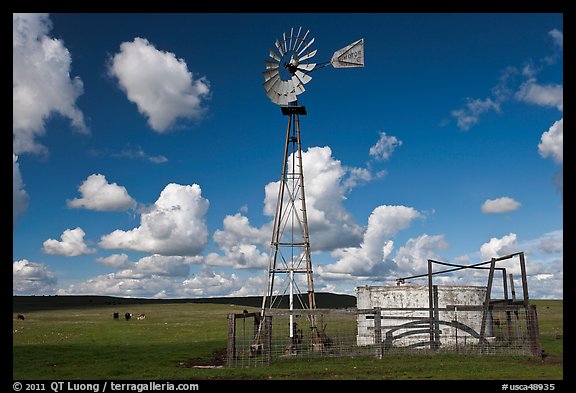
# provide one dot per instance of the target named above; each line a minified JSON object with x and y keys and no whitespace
{"x":377,"y":332}
{"x":533,"y":331}
{"x":267,"y":345}
{"x":231,"y":347}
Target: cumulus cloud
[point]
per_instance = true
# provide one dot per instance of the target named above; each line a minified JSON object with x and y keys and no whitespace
{"x":19,"y":195}
{"x":29,"y":278}
{"x":41,"y":82}
{"x":159,"y":84}
{"x":385,"y":146}
{"x":116,"y":261}
{"x":72,"y":244}
{"x":330,"y":224}
{"x":98,"y":194}
{"x":412,"y":258}
{"x":552,"y":142}
{"x":500,"y":205}
{"x":238,"y":240}
{"x":142,"y":283}
{"x":173,"y":225}
{"x":499,"y":247}
{"x":376,"y":247}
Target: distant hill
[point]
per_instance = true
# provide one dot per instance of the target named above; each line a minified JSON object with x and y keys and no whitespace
{"x":22,"y":304}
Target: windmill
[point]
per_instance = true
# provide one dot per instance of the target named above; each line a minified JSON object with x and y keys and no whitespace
{"x":287,"y":71}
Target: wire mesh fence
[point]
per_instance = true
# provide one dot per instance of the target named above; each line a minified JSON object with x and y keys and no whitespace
{"x":509,"y":329}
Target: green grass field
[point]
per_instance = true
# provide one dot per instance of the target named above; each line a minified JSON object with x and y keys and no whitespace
{"x":86,"y":343}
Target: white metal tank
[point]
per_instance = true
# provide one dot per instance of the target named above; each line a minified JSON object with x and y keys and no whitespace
{"x":406,"y":308}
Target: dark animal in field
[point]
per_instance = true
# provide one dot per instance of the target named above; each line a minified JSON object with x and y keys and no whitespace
{"x":20,"y":316}
{"x":127,"y":316}
{"x":141,"y":316}
{"x":116,"y":315}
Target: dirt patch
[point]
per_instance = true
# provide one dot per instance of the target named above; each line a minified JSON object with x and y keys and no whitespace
{"x":216,"y":360}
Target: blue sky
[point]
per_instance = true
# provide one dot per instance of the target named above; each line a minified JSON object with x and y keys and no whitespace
{"x":146,"y":153}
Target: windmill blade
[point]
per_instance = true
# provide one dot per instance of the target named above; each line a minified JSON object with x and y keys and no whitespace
{"x":307,"y":46}
{"x":291,"y":33}
{"x":282,"y":100}
{"x":297,"y":37}
{"x":298,"y":85}
{"x":279,"y":47}
{"x":270,"y":74}
{"x":271,"y":65}
{"x":274,"y":55}
{"x":305,"y":78}
{"x":274,"y":97}
{"x":291,"y":97}
{"x":306,"y":67}
{"x":285,"y":87}
{"x":285,"y":48}
{"x":302,"y":41}
{"x":269,"y":84}
{"x":309,"y":55}
{"x":350,"y":56}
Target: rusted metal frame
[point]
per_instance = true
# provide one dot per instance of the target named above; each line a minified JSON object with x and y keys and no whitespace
{"x":436,"y":317}
{"x":531,"y":315}
{"x":460,"y":267}
{"x":431,"y":306}
{"x":486,"y":304}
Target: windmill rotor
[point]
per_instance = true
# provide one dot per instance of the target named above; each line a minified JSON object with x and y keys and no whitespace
{"x":289,"y":64}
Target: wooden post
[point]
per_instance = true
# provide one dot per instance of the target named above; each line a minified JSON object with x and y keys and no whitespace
{"x":517,"y":334}
{"x":231,"y":347}
{"x":436,"y":317}
{"x":533,"y":331}
{"x":267,"y":344}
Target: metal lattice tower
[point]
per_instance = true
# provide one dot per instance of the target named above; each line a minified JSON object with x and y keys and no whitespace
{"x":286,"y":73}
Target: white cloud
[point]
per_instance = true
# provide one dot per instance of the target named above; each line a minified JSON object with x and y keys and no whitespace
{"x":552,"y":242}
{"x":210,"y":283}
{"x":41,"y":83}
{"x":98,"y":194}
{"x":139,"y":153}
{"x":117,"y":261}
{"x":174,"y":225}
{"x":158,"y":83}
{"x":499,"y":247}
{"x":72,"y":244}
{"x":330,"y":224}
{"x":557,"y":37}
{"x":500,"y":205}
{"x":372,"y":254}
{"x":19,"y":196}
{"x":550,"y":95}
{"x":128,"y":283}
{"x":412,"y":258}
{"x":238,"y":240}
{"x":552,"y":142}
{"x":470,"y":114}
{"x":30,"y":278}
{"x":385,"y":146}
